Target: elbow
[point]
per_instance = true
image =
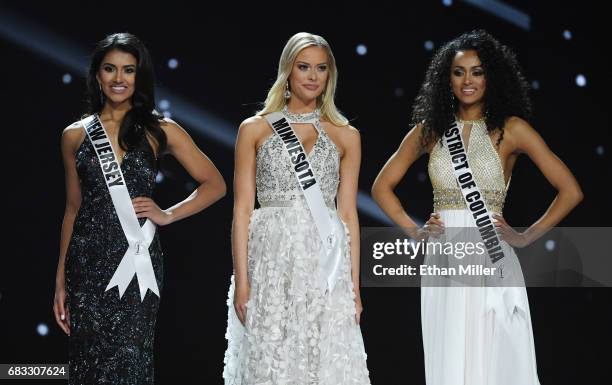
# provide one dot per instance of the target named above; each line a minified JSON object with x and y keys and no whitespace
{"x":216,"y":188}
{"x":222,"y":189}
{"x":573,"y":194}
{"x":378,"y":191}
{"x":578,"y":195}
{"x":72,"y":208}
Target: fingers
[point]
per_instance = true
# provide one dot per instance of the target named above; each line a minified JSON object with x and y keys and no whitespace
{"x":141,"y":206}
{"x":241,"y":313}
{"x":434,"y":218}
{"x":358,"y":316}
{"x":434,"y":225}
{"x":499,"y":220}
{"x":141,"y":199}
{"x":143,"y":213}
{"x":61,"y":317}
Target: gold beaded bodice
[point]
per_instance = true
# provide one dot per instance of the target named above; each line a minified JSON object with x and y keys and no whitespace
{"x":485,"y":164}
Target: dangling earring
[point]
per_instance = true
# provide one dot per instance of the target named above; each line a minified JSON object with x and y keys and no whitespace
{"x":287,"y":92}
{"x":452,"y":101}
{"x":101,"y":93}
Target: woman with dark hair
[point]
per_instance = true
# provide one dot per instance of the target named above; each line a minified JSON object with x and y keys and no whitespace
{"x":108,"y":232}
{"x":471,"y":117}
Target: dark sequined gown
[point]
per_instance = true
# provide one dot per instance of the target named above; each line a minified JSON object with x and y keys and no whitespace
{"x":111,"y":340}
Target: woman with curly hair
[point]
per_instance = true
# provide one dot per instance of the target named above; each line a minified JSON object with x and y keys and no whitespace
{"x":471,"y":118}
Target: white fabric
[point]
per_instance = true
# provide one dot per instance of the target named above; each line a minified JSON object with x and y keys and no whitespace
{"x":478,"y":335}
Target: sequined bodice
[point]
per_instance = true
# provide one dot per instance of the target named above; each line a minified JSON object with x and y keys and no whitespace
{"x":485,"y":164}
{"x":275,"y":177}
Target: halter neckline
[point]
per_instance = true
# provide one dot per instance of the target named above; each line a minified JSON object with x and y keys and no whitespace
{"x":308,"y":117}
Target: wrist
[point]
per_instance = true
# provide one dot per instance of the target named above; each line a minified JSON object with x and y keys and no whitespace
{"x":170,"y":217}
{"x":241,"y":283}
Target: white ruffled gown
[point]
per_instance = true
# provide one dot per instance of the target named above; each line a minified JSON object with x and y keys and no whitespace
{"x":295,"y":333}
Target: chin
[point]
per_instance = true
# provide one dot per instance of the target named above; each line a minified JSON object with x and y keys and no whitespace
{"x":471,"y":100}
{"x":119,"y":99}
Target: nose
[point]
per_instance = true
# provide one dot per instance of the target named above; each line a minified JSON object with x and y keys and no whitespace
{"x":118,"y":77}
{"x":312,"y":74}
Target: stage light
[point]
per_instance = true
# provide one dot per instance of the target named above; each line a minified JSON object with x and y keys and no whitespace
{"x":535,"y":85}
{"x":580,"y":80}
{"x":447,"y":3}
{"x":599,"y":150}
{"x":167,"y":114}
{"x":362,"y":49}
{"x":42,"y":329}
{"x":164,"y":104}
{"x":567,"y":34}
{"x":173,"y":64}
{"x":67,"y":79}
{"x":159,"y":177}
{"x":550,"y":245}
{"x":429,"y":45}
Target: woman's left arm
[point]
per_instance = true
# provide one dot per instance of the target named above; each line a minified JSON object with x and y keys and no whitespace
{"x":524,"y":139}
{"x":211,"y":184}
{"x":347,"y":201}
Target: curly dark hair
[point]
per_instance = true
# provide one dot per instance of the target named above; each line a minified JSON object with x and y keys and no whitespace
{"x":142,"y":117}
{"x":506,"y":94}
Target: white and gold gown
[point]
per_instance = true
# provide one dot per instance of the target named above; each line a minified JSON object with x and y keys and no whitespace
{"x":475,"y":335}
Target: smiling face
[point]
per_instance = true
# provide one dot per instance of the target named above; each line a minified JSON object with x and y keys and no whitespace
{"x":309,"y":73}
{"x":117,"y":76}
{"x":467,"y":78}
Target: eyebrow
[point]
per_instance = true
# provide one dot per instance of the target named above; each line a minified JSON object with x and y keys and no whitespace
{"x":112,"y":65}
{"x":303,"y":62}
{"x":462,"y":67}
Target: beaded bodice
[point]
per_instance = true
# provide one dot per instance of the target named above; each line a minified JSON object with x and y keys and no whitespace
{"x":485,"y":164}
{"x":274,"y":177}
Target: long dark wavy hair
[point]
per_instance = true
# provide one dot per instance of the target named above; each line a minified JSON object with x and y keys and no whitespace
{"x":142,"y":117}
{"x":506,"y":94}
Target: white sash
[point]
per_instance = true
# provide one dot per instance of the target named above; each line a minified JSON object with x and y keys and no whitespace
{"x":136,"y":259}
{"x":330,"y":227}
{"x":473,"y":197}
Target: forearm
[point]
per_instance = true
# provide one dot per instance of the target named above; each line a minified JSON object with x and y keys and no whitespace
{"x":352,"y":223}
{"x":240,"y":236}
{"x":66,"y":235}
{"x":564,"y":202}
{"x":391,"y":205}
{"x":205,"y":195}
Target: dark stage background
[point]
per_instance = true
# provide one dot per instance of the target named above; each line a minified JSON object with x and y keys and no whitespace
{"x":227,"y":58}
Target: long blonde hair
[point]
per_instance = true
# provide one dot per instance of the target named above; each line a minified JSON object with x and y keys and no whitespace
{"x":275,"y":100}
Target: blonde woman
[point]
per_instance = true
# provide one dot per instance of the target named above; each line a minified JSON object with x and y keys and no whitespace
{"x":285,"y":323}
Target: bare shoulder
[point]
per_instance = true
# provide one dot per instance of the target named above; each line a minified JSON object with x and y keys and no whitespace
{"x":254,"y":123}
{"x":171,"y":127}
{"x":518,"y":132}
{"x":349,"y":135}
{"x":255,"y":129}
{"x":344,"y":137}
{"x":73,"y":135}
{"x":516,"y":125}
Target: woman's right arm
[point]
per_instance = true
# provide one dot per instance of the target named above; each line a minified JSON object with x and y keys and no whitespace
{"x":244,"y":202}
{"x":392,"y":173}
{"x":71,"y":139}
